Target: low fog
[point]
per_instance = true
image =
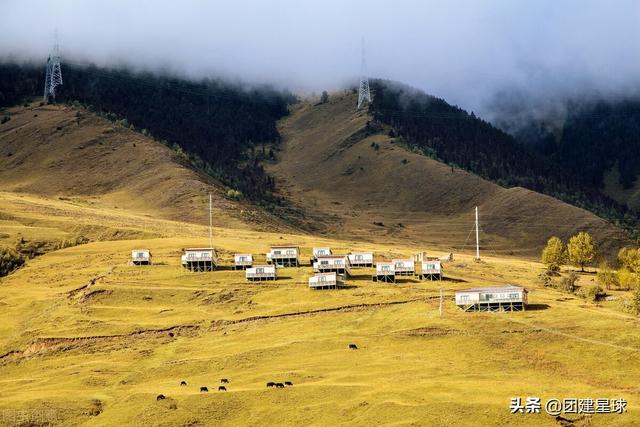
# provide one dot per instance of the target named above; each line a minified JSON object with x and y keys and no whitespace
{"x":468,"y":52}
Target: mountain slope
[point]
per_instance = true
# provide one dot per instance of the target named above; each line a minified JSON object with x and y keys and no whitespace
{"x":355,"y":180}
{"x":60,"y":151}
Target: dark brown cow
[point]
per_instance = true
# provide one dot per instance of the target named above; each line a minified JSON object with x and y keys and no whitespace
{"x":183,"y":383}
{"x":222,"y":388}
{"x":204,"y":389}
{"x":160,"y":397}
{"x":271,"y":384}
{"x":289,"y":383}
{"x":224,"y":381}
{"x":353,"y":347}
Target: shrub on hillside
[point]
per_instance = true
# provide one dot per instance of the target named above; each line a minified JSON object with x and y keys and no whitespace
{"x":606,"y":276}
{"x":627,"y":279}
{"x":593,"y":293}
{"x":568,"y":283}
{"x":10,"y":259}
{"x":234,"y":194}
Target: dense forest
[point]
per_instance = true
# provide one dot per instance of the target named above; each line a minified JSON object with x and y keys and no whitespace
{"x":223,"y":127}
{"x":594,"y":137}
{"x":459,"y":138}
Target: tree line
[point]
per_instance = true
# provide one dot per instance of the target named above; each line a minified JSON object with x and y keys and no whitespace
{"x":225,"y":129}
{"x":581,"y":251}
{"x":454,"y":136}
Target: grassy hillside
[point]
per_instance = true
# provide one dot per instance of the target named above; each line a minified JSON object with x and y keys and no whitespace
{"x":223,"y":126}
{"x":74,"y":155}
{"x":353,"y":180}
{"x":86,"y":339}
{"x":456,"y":137}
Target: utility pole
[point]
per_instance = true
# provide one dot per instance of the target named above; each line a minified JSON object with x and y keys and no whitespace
{"x":440,"y":302}
{"x":477,"y":237}
{"x":210,"y":224}
{"x":53,"y":77}
{"x":364,"y":94}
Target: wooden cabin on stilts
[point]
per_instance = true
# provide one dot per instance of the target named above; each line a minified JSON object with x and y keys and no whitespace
{"x":326,"y":281}
{"x":200,"y":259}
{"x":242,"y":261}
{"x":284,"y":256}
{"x":507,"y":298}
{"x":361,"y":259}
{"x":319,"y":252}
{"x":261,"y":272}
{"x":332,"y":263}
{"x":431,"y":269}
{"x":404,"y":267}
{"x":385,"y":272}
{"x":141,"y":257}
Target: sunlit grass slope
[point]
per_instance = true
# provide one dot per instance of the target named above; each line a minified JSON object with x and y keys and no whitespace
{"x":94,"y":340}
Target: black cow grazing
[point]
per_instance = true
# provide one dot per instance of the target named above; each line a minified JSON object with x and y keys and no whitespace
{"x":224,"y":381}
{"x":204,"y":390}
{"x":222,"y":388}
{"x":289,"y":383}
{"x":279,"y":385}
{"x":183,"y":383}
{"x":353,"y":347}
{"x":160,"y":397}
{"x":271,"y":384}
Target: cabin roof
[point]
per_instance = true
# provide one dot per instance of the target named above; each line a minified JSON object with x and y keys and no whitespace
{"x":139,"y":250}
{"x":384,"y":263}
{"x":331,"y":256}
{"x":510,"y":288}
{"x":264,"y":266}
{"x":284,"y":247}
{"x":243,"y":255}
{"x":199,"y":249}
{"x":361,"y":253}
{"x":402,"y":260}
{"x":326,"y":274}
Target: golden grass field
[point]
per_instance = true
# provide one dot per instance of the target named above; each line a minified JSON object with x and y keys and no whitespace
{"x":87,"y":339}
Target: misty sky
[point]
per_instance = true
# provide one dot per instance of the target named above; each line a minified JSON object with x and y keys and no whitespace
{"x":462,"y":50}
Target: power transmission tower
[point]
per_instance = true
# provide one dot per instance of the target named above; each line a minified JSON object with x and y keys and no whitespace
{"x":53,"y":77}
{"x":364,"y":93}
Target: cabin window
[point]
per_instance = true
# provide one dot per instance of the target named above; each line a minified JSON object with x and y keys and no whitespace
{"x":323,"y":278}
{"x":338,"y":261}
{"x":140,"y":255}
{"x":464,"y":298}
{"x":259,"y":270}
{"x":514,"y":296}
{"x":431,"y":266}
{"x":359,"y":257}
{"x":324,"y":262}
{"x":276,"y":252}
{"x":290,"y":252}
{"x":384,"y":268}
{"x":243,"y":258}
